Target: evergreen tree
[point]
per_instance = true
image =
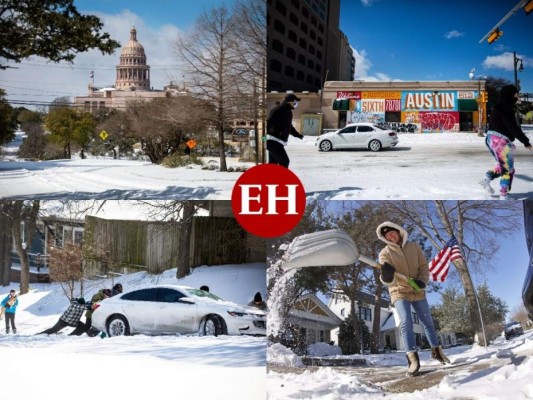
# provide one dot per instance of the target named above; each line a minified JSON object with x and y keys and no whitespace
{"x":352,"y":333}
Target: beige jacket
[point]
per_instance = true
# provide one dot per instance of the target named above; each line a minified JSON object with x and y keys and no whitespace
{"x":409,"y":260}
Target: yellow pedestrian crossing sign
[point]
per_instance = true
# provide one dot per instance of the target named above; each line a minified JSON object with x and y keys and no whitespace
{"x":104,"y":135}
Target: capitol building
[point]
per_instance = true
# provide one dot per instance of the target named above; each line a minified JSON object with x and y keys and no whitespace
{"x":132,"y":82}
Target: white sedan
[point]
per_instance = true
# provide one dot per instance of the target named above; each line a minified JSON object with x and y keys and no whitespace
{"x":171,"y":309}
{"x":358,"y":135}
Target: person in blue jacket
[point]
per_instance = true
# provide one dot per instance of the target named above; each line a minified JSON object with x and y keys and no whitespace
{"x":10,"y":304}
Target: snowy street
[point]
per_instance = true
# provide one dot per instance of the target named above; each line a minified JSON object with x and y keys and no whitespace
{"x":63,"y":367}
{"x":502,"y":371}
{"x":421,"y":167}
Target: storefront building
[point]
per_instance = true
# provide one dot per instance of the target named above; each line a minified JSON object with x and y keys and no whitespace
{"x":411,"y":107}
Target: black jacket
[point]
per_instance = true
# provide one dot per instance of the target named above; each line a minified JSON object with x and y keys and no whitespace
{"x":279,"y":123}
{"x":502,"y":118}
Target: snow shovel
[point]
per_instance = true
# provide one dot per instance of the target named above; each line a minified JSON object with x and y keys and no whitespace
{"x":333,"y":247}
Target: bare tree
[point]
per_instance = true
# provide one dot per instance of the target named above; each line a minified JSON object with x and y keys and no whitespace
{"x":210,"y":57}
{"x":6,"y":241}
{"x":24,"y":218}
{"x":66,"y":267}
{"x":252,"y":45}
{"x":478,"y":227}
{"x":162,"y":125}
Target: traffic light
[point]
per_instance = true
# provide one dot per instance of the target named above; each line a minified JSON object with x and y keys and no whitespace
{"x":528,"y":7}
{"x":494,"y":35}
{"x":484,"y":96}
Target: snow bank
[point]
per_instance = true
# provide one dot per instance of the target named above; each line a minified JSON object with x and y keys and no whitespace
{"x":280,"y":355}
{"x":323,"y":349}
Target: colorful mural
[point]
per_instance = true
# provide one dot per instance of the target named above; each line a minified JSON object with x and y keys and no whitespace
{"x":407,"y":111}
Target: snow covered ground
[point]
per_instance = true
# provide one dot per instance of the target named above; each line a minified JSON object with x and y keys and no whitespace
{"x":421,"y":167}
{"x":62,"y":367}
{"x":501,"y":371}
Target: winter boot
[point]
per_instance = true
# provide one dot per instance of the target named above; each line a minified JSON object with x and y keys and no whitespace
{"x":438,"y":354}
{"x":485,"y":183}
{"x":413,"y":363}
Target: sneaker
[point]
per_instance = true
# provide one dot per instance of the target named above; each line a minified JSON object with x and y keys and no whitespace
{"x":485,"y":183}
{"x":504,"y":197}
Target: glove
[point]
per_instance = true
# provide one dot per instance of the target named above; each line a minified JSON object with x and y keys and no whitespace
{"x":81,"y":300}
{"x":421,"y":284}
{"x":300,"y":136}
{"x":387,"y":273}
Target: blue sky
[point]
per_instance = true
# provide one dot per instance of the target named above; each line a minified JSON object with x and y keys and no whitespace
{"x":155,"y":12}
{"x":437,"y":40}
{"x":504,"y":277}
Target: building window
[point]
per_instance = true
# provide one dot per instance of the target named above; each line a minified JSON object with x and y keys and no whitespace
{"x":305,"y":12}
{"x":313,"y":35}
{"x":309,"y":79}
{"x":301,"y":59}
{"x":300,"y":75}
{"x":296,"y":4}
{"x":310,"y":64}
{"x":317,"y":82}
{"x":281,"y":8}
{"x":319,"y":41}
{"x":303,"y":43}
{"x":294,"y":19}
{"x":275,"y":66}
{"x":311,"y":49}
{"x":319,"y":55}
{"x":304,"y":29}
{"x":415,"y":318}
{"x":277,"y":46}
{"x":293,"y":36}
{"x":313,"y":20}
{"x":343,"y":312}
{"x":291,"y":53}
{"x":365,"y":313}
{"x":321,"y":28}
{"x":318,"y":68}
{"x":289,"y":71}
{"x":278,"y":25}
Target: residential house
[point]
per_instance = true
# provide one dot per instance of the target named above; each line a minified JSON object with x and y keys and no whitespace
{"x":390,"y":335}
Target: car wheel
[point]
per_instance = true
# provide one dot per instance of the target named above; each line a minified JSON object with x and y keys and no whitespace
{"x":374,"y":145}
{"x":117,"y":325}
{"x":212,"y":326}
{"x":325,"y":145}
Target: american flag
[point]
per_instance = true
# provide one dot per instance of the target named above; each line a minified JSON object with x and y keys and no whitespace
{"x":438,"y":267}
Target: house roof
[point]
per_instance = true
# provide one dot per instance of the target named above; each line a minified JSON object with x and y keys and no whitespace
{"x":311,"y":309}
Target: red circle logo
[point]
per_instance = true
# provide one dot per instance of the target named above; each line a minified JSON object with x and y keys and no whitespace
{"x":268,"y":200}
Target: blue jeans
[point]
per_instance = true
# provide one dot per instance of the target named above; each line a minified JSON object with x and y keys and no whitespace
{"x":421,"y":307}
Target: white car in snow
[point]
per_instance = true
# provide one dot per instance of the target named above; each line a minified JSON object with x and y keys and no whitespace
{"x":172,"y":309}
{"x":358,"y":135}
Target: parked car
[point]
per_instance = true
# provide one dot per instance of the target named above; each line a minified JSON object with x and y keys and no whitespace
{"x":171,"y":309}
{"x":527,"y":289}
{"x":512,"y":329}
{"x":359,"y":135}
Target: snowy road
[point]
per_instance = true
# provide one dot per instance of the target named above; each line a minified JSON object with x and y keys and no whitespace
{"x":431,"y":166}
{"x":422,"y":167}
{"x":62,"y":367}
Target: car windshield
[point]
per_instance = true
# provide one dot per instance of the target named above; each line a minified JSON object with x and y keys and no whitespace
{"x":379,"y":128}
{"x":201,"y":293}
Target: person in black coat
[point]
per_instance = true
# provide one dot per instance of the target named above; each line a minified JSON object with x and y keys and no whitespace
{"x":279,"y":127}
{"x":500,"y":137}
